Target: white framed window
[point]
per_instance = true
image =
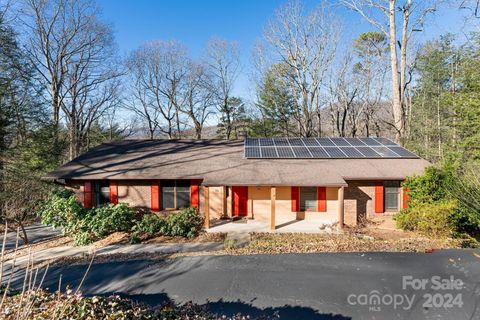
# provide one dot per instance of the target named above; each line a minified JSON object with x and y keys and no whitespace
{"x":392,"y":195}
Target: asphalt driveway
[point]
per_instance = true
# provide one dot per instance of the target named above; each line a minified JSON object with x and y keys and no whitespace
{"x":308,"y":286}
{"x":35,"y":232}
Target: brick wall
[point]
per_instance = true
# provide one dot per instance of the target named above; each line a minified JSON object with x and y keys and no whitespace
{"x":359,"y":201}
{"x":77,"y":188}
{"x":134,"y":193}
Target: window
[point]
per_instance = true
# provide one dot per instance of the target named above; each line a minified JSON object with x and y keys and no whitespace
{"x":175,"y":194}
{"x":392,"y":195}
{"x":101,"y":193}
{"x":308,"y":199}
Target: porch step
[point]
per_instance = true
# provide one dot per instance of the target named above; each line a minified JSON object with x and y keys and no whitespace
{"x":237,"y":239}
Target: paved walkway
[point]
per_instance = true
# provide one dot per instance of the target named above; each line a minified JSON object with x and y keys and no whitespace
{"x":39,"y":232}
{"x":36,"y":233}
{"x":71,"y":251}
{"x":310,"y":225}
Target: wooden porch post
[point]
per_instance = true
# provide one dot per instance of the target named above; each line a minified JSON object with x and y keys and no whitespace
{"x":341,"y":210}
{"x":206,"y":208}
{"x":273,"y":196}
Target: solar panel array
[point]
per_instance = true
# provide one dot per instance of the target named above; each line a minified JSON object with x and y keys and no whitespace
{"x":324,"y":148}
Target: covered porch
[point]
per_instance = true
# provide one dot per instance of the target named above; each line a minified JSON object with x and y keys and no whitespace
{"x":273,"y":208}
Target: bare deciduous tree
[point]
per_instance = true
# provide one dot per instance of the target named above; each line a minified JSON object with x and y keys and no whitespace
{"x":73,"y":53}
{"x":222,"y":60}
{"x":344,"y":109}
{"x":159,"y":70}
{"x":384,"y":14}
{"x":371,"y":70}
{"x":306,"y":42}
{"x":197,"y":99}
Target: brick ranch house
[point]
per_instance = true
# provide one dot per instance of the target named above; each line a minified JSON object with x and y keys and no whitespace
{"x":275,"y":180}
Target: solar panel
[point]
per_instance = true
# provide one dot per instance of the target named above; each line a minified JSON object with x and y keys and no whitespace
{"x":368,"y":152}
{"x":340,"y":142}
{"x":352,"y":152}
{"x":324,"y":148}
{"x":268,"y":152}
{"x":371,"y":142}
{"x":356,"y":142}
{"x":385,"y":152}
{"x":251,"y":142}
{"x":266,"y":142}
{"x":285,"y":152}
{"x":385,"y":141}
{"x":281,"y":142}
{"x":403,"y":152}
{"x":301,"y":152}
{"x":325,"y":142}
{"x":310,"y":142}
{"x":318,"y":152}
{"x":296,"y":142}
{"x":334,"y":152}
{"x":251,"y":152}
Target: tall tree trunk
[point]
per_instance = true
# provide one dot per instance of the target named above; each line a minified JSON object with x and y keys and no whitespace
{"x":73,"y":138}
{"x":396,"y":100}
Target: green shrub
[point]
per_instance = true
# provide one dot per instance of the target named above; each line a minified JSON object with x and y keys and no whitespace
{"x":150,"y":224}
{"x":134,"y":238}
{"x":61,"y":209}
{"x":465,"y":221}
{"x":187,"y":224}
{"x":432,"y":219}
{"x":103,"y":221}
{"x":429,"y":187}
{"x":437,"y":191}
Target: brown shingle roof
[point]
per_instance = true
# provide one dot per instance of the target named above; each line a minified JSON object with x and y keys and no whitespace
{"x":220,"y":162}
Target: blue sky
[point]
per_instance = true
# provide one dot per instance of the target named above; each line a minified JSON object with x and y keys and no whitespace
{"x":193,"y":22}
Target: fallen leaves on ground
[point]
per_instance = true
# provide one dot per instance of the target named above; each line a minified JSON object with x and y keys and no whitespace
{"x":313,"y":243}
{"x":202,"y":237}
{"x":41,"y":304}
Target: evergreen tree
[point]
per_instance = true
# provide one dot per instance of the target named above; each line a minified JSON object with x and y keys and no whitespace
{"x":275,"y":104}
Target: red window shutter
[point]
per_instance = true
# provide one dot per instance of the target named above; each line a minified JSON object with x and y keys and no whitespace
{"x":155,"y":195}
{"x":295,"y":199}
{"x":405,"y":198}
{"x":113,"y":192}
{"x":194,"y":193}
{"x":379,"y":190}
{"x":87,"y":194}
{"x":322,"y":199}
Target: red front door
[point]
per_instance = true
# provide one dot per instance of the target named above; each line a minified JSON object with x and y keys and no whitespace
{"x":240,"y":200}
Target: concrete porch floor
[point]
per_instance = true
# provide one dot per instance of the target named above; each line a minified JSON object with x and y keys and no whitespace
{"x":293,"y":226}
